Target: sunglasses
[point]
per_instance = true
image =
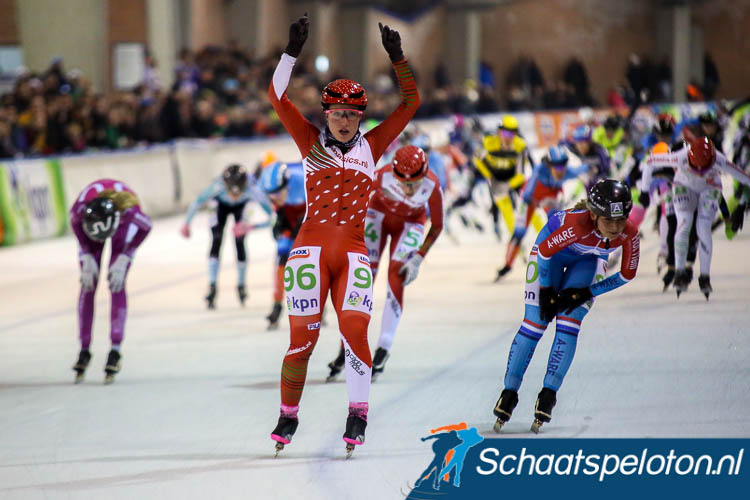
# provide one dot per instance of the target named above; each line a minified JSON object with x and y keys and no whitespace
{"x":507,"y":134}
{"x":559,"y":166}
{"x":340,"y":114}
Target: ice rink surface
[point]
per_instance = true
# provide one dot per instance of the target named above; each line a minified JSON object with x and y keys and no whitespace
{"x":190,"y":414}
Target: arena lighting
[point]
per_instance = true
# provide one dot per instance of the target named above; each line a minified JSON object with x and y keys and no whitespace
{"x":322,"y":64}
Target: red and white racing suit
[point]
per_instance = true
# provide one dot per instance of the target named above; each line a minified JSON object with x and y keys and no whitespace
{"x":329,"y":252}
{"x":401,"y":217}
{"x":693,"y":190}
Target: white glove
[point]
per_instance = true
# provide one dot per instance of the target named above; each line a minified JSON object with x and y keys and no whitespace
{"x":411,"y":268}
{"x":89,"y":271}
{"x":117,"y":272}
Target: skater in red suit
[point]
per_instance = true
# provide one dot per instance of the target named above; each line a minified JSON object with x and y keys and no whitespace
{"x":329,"y":253}
{"x":402,"y":195}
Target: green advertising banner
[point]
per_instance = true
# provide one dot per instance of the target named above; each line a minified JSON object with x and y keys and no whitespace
{"x":32,"y":201}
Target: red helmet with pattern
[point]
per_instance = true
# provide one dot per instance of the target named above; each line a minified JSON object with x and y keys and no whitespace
{"x":701,"y":153}
{"x":344,"y":91}
{"x":410,"y":163}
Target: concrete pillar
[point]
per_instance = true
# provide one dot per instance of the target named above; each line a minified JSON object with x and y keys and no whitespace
{"x":696,"y":55}
{"x":322,"y":27}
{"x":681,"y":32}
{"x":163,"y":29}
{"x":463,"y":31}
{"x":353,"y":27}
{"x":244,"y":22}
{"x":74,"y":30}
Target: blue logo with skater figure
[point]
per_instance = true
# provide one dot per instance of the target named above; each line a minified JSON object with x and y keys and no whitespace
{"x":450,"y":445}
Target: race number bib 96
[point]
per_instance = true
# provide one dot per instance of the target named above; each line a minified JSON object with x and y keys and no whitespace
{"x":358,"y":284}
{"x":302,"y":281}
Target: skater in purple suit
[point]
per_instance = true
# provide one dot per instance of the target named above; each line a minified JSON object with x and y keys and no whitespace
{"x":105,"y":209}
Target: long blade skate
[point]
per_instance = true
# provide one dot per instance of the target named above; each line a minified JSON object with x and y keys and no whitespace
{"x":504,"y":407}
{"x":112,"y":367}
{"x":283,"y":432}
{"x":545,"y":402}
{"x":84,"y":357}
{"x":336,"y":366}
{"x":536,"y":425}
{"x":355,"y":433}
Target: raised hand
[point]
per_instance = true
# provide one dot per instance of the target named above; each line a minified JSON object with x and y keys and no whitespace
{"x":391,"y":43}
{"x":297,"y":36}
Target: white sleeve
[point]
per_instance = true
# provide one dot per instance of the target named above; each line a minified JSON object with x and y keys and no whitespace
{"x":282,"y":74}
{"x":727,"y":167}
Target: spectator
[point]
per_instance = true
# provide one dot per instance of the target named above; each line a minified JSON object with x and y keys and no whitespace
{"x":7,"y":148}
{"x":710,"y":77}
{"x":575,"y":76}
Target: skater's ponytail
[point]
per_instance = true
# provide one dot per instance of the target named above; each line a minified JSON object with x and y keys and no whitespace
{"x":122,"y":199}
{"x":581,"y":205}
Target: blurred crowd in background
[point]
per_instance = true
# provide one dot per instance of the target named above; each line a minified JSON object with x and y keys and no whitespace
{"x":221,"y":92}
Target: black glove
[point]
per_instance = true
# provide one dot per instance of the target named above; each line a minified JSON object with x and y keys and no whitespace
{"x":570,"y":298}
{"x":391,"y":43}
{"x":644,"y":199}
{"x":738,"y":217}
{"x":547,"y":303}
{"x":297,"y":36}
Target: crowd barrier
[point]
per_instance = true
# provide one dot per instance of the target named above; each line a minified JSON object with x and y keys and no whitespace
{"x":35,"y":194}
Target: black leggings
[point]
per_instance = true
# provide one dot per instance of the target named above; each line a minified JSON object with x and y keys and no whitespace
{"x":217,"y":230}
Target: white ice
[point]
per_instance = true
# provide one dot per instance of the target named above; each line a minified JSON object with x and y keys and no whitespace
{"x":190,"y":414}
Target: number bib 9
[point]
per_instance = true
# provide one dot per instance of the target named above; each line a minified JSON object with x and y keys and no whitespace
{"x":302,"y":281}
{"x":358,"y":284}
{"x":408,"y":242}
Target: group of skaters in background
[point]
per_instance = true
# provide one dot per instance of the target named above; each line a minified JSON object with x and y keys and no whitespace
{"x":332,"y":214}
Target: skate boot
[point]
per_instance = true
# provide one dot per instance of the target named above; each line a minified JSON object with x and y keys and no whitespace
{"x":112,"y":366}
{"x":241,"y":294}
{"x":502,"y":272}
{"x":668,"y":277}
{"x":689,"y":272}
{"x":504,"y":407}
{"x":378,"y":362}
{"x":83,"y":362}
{"x":211,"y":297}
{"x":705,"y":283}
{"x":356,"y":423}
{"x":543,"y":409}
{"x":336,"y":365}
{"x":285,"y":429}
{"x":681,"y":281}
{"x":273,"y":318}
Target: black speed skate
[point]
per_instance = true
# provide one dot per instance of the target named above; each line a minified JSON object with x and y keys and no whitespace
{"x":336,"y":365}
{"x":504,"y":408}
{"x":543,"y":409}
{"x":112,"y":366}
{"x":668,"y":278}
{"x":355,"y":432}
{"x":83,"y":362}
{"x":284,"y":431}
{"x":378,"y":362}
{"x":211,"y":297}
{"x":241,"y":294}
{"x":705,"y":284}
{"x":273,"y":318}
{"x":681,"y":281}
{"x":502,"y":272}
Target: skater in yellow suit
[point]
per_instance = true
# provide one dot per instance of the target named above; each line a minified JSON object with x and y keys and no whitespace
{"x":501,"y":162}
